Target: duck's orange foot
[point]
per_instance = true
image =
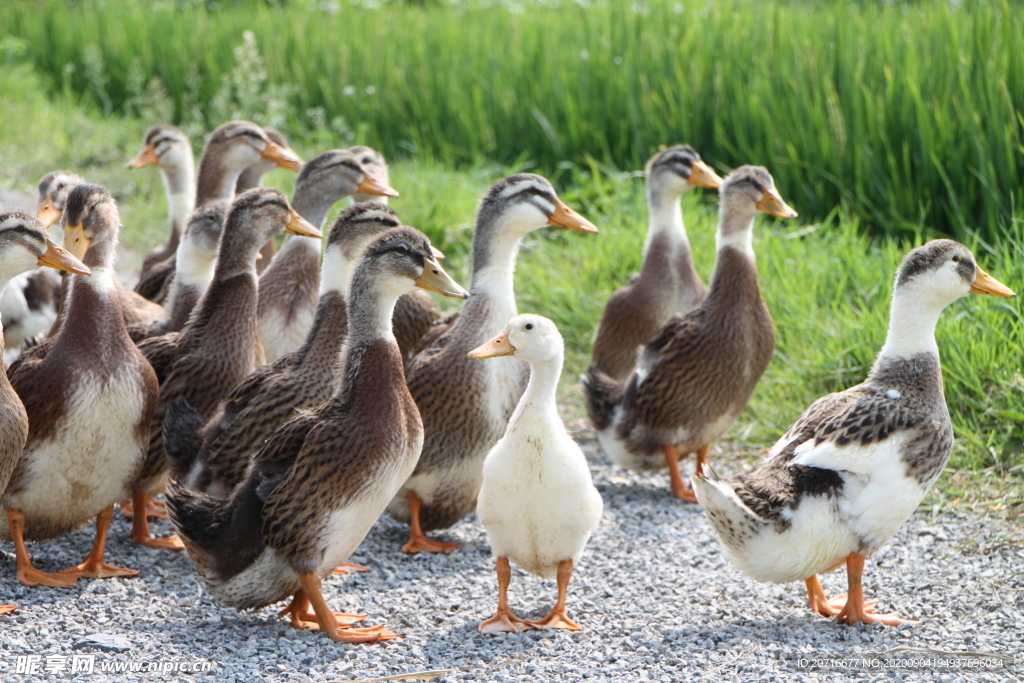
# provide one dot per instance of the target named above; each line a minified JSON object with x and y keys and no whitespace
{"x":32,"y":577}
{"x":867,"y":616}
{"x":169,"y":543}
{"x":833,"y":607}
{"x":5,"y":609}
{"x":503,"y":622}
{"x":370,"y":634}
{"x":556,"y":620}
{"x":155,"y":509}
{"x":349,"y":567}
{"x":419,"y":543}
{"x":686,"y":494}
{"x":98,"y":569}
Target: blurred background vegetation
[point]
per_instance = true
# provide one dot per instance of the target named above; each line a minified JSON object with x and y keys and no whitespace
{"x":884,"y":124}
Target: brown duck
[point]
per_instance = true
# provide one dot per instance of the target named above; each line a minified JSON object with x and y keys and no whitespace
{"x":211,"y":457}
{"x":321,"y":481}
{"x":24,"y":245}
{"x":230,"y":149}
{"x":169,"y":149}
{"x":696,"y":375}
{"x":667,"y":283}
{"x":195,"y":260}
{"x":466,"y":404}
{"x":219,"y":345}
{"x":89,"y":399}
{"x":290,"y":286}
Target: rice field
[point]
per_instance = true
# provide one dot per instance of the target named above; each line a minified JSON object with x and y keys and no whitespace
{"x":906,"y":115}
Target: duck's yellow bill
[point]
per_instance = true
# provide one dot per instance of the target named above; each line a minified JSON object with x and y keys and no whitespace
{"x":147,"y":157}
{"x":497,"y":347}
{"x":773,"y":203}
{"x":378,"y":188}
{"x":58,"y":257}
{"x":298,"y":225}
{"x":703,"y":176}
{"x":986,"y":284}
{"x":567,"y":218}
{"x":434,"y":279}
{"x":48,"y":213}
{"x":283,"y":156}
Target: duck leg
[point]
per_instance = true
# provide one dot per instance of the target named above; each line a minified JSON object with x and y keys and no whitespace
{"x":140,"y":528}
{"x":503,"y":620}
{"x":305,"y":620}
{"x":94,"y":567}
{"x":825,"y":607}
{"x":557,"y":618}
{"x":417,"y":541}
{"x":329,"y":624}
{"x":4,"y":609}
{"x":155,"y":509}
{"x":349,"y":567}
{"x":855,"y":610}
{"x":27,"y":574}
{"x":680,"y":489}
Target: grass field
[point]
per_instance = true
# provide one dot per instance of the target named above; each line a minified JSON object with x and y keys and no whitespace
{"x":905,"y":114}
{"x":827,"y":284}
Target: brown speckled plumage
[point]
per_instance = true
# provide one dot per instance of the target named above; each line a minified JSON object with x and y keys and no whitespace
{"x":342,"y":461}
{"x":90,"y":363}
{"x":219,"y":346}
{"x":667,"y":282}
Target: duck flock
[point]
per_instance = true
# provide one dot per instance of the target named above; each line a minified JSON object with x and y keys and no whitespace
{"x":282,"y":401}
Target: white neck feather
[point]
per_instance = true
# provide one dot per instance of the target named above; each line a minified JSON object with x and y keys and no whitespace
{"x":539,"y":400}
{"x":102,"y":278}
{"x":335,"y":272}
{"x":496,"y":280}
{"x":666,"y":218}
{"x":737,"y":232}
{"x":194,"y":265}
{"x":182,"y":204}
{"x":912,"y":322}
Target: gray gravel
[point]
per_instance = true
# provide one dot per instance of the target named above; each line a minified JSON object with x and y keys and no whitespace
{"x":656,"y":599}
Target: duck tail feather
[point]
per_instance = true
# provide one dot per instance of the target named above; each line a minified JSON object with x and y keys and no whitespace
{"x":198,"y":519}
{"x":183,"y":425}
{"x":601,"y":394}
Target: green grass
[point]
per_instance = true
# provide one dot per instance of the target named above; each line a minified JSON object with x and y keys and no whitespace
{"x":907,"y":114}
{"x":827,"y":284}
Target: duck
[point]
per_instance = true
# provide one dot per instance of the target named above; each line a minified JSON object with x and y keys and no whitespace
{"x":314,"y":490}
{"x":170,"y":150}
{"x":537,"y":501}
{"x":696,"y":375}
{"x":465,"y":405}
{"x":24,"y":246}
{"x":195,"y":258}
{"x":856,"y":464}
{"x":30,"y":303}
{"x":212,"y":456}
{"x":253,"y":177}
{"x":219,"y":345}
{"x":668,"y":282}
{"x":289,"y":287}
{"x":231,"y":148}
{"x":89,"y":399}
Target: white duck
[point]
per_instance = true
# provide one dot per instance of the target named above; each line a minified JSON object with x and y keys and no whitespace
{"x":537,"y":500}
{"x":855,"y":466}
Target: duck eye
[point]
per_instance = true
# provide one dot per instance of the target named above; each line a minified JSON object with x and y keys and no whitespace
{"x":529,"y":326}
{"x":956,"y":259}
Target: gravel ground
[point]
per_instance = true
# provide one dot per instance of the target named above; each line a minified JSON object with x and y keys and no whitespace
{"x":655,"y":597}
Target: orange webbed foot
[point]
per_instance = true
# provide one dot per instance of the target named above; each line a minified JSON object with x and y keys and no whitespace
{"x":169,"y":543}
{"x":349,"y":567}
{"x":91,"y":569}
{"x":32,"y":577}
{"x":557,"y":620}
{"x":503,"y":621}
{"x":422,"y":544}
{"x":155,"y":509}
{"x":867,"y":616}
{"x":369,"y":634}
{"x":6,"y":609}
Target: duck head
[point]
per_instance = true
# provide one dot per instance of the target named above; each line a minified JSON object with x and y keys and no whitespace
{"x":330,"y":176}
{"x":938,"y":273}
{"x":24,"y":246}
{"x":529,"y":337}
{"x":676,"y":169}
{"x":165,"y":146}
{"x":91,"y":218}
{"x":255,"y":217}
{"x":53,"y":195}
{"x":375,"y":165}
{"x":253,"y":174}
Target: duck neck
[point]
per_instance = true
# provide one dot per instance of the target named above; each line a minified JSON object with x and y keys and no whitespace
{"x":736,"y":230}
{"x":237,"y":253}
{"x":179,"y":183}
{"x":543,"y":383}
{"x":494,"y":262}
{"x":217,"y":179}
{"x":311,"y":203}
{"x":193,"y":264}
{"x":326,"y":337}
{"x":912,"y":321}
{"x":335,"y":273}
{"x":370,"y":308}
{"x":666,"y":219}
